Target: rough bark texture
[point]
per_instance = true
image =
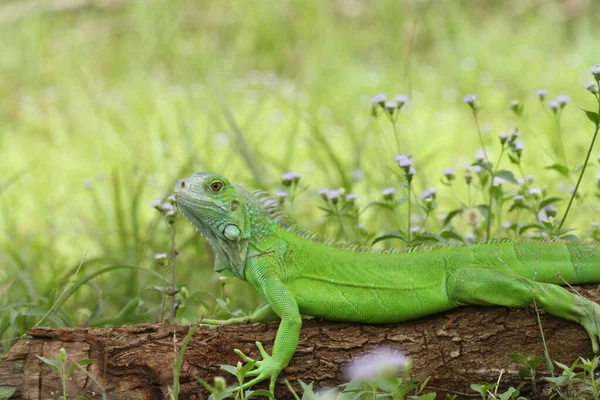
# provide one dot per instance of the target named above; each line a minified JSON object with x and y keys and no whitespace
{"x":457,"y":348}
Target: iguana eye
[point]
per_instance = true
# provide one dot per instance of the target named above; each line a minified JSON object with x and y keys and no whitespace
{"x":216,"y":186}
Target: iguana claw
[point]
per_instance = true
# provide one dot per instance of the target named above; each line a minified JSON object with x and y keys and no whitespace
{"x":265,"y":368}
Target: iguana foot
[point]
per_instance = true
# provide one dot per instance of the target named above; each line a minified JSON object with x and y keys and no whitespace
{"x":222,"y":322}
{"x":267,"y":368}
{"x":591,"y":323}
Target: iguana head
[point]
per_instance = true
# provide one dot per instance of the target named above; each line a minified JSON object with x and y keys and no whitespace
{"x":218,"y":210}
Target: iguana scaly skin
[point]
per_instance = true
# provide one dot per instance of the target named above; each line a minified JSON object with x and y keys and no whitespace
{"x":299,"y":276}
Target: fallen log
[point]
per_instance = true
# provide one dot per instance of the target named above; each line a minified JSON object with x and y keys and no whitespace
{"x":457,"y":348}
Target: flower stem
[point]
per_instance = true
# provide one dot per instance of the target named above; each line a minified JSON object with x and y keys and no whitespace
{"x":480,"y":135}
{"x":587,"y":158}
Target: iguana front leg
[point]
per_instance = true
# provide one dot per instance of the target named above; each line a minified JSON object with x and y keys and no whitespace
{"x":487,"y":286}
{"x":284,"y":305}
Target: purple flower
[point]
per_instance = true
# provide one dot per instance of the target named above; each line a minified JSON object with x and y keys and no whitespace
{"x":323,"y":193}
{"x":333,"y":195}
{"x":388,"y":193}
{"x":287,"y":178}
{"x":381,"y":363}
{"x":563,"y":100}
{"x":428,"y":194}
{"x":541,"y":93}
{"x":470,"y":99}
{"x":449,"y":173}
{"x":378,"y":99}
{"x":404,"y":161}
{"x":518,"y":147}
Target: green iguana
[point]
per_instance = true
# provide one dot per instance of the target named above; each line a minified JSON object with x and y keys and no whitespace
{"x":299,"y":276}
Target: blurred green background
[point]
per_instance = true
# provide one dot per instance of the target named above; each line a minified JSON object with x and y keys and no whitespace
{"x":105,"y":104}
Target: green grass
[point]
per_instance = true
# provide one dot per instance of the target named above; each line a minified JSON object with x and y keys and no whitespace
{"x":103,"y":109}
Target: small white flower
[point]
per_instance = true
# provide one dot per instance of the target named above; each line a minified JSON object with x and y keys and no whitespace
{"x":388,"y":191}
{"x":166,"y":206}
{"x":595,"y":70}
{"x":281,"y":193}
{"x":449,"y":173}
{"x":358,"y":175}
{"x":519,"y":146}
{"x":290,"y":177}
{"x":506,"y":225}
{"x":592,"y":87}
{"x":518,"y":198}
{"x":535,"y":191}
{"x":156,"y":204}
{"x":351,"y":197}
{"x":333,"y":194}
{"x":515,"y":133}
{"x":553,"y":105}
{"x":541,"y":93}
{"x":390,"y":105}
{"x":478,"y":169}
{"x":498,"y":181}
{"x":480,"y":155}
{"x":470,"y":237}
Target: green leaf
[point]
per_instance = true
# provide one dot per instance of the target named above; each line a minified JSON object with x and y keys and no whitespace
{"x":524,"y":228}
{"x":451,"y":215}
{"x":484,"y":210}
{"x":560,"y":168}
{"x":428,"y":396}
{"x":427,"y":237}
{"x":520,"y":358}
{"x":229,"y":368}
{"x":593,"y":116}
{"x":243,"y":371}
{"x":510,"y":393}
{"x":507,"y":175}
{"x":549,"y":200}
{"x":79,"y":364}
{"x":451,"y":235}
{"x":259,"y":393}
{"x":6,"y":392}
{"x":482,"y":388}
{"x":51,"y":363}
{"x":391,"y":235}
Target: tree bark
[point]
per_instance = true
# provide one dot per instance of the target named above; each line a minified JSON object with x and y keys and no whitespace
{"x":457,"y":348}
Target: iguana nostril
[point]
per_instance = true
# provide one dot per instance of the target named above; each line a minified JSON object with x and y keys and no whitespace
{"x":182,"y":183}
